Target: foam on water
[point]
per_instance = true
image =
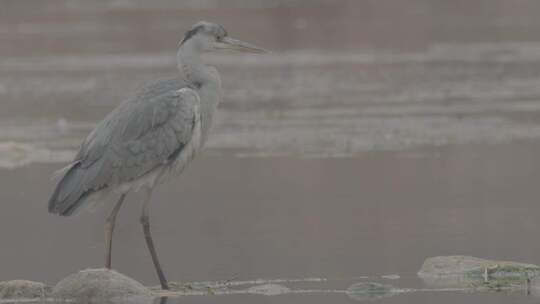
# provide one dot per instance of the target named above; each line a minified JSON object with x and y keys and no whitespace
{"x":305,"y":137}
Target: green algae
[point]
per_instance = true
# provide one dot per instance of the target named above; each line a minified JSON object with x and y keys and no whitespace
{"x":477,"y":274}
{"x":502,"y":277}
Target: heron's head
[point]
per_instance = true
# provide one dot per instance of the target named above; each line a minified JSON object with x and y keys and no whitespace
{"x":210,"y":37}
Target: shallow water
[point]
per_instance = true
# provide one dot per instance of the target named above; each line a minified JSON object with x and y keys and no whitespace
{"x":375,"y":135}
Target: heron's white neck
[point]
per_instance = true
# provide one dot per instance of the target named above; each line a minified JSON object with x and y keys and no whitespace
{"x":192,"y":69}
{"x":205,"y":79}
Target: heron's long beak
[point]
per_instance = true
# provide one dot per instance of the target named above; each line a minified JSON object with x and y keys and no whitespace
{"x":228,"y":43}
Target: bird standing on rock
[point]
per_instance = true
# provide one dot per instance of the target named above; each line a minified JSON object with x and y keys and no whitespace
{"x":150,"y":137}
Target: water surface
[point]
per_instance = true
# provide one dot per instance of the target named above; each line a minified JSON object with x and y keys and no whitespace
{"x":375,"y":135}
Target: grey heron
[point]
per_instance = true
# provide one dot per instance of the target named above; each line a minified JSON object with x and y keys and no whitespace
{"x":150,"y":137}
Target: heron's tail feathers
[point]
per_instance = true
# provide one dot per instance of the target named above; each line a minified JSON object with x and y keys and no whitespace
{"x":70,"y":192}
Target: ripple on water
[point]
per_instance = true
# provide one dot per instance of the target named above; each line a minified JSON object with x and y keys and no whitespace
{"x":269,"y":289}
{"x":329,"y":104}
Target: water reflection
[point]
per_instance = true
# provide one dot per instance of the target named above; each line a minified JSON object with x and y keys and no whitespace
{"x":163,"y":300}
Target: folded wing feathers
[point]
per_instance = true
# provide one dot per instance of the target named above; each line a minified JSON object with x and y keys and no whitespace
{"x":135,"y":138}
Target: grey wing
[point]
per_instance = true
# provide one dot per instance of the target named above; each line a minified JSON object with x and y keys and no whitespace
{"x":133,"y":140}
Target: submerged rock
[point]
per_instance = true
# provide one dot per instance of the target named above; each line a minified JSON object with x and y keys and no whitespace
{"x":101,"y":285}
{"x":22,"y":289}
{"x":476,"y":273}
{"x":370,"y":291}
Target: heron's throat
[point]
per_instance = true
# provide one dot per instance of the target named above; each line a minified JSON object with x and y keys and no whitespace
{"x":192,"y":69}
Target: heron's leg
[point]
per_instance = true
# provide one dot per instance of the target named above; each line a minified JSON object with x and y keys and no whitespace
{"x":109,"y":228}
{"x":149,"y":242}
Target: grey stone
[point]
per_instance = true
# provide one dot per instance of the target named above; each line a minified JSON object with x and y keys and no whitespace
{"x":101,"y":285}
{"x":22,"y":289}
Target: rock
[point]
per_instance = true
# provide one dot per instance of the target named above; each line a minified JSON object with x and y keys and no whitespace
{"x":101,"y":285}
{"x":22,"y":289}
{"x":476,"y":273}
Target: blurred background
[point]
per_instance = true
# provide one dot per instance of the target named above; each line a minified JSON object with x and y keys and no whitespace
{"x":376,"y":134}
